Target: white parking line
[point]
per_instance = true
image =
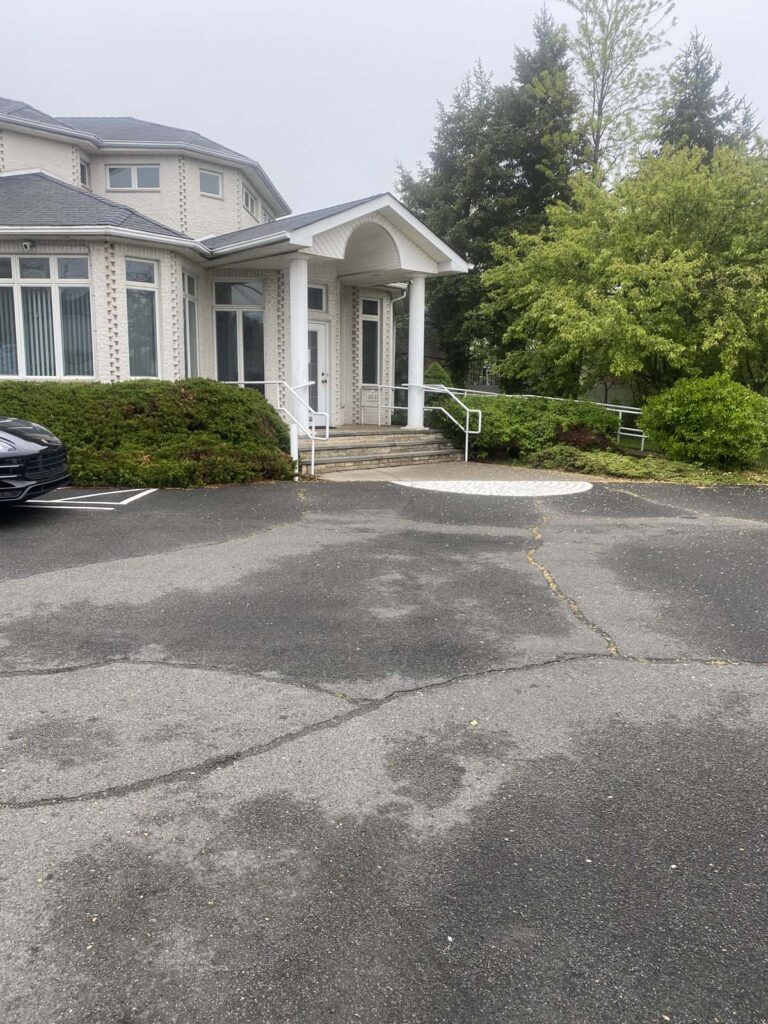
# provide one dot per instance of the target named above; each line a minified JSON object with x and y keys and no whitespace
{"x":92,"y":502}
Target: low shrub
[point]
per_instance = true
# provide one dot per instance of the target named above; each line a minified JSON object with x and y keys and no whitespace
{"x":596,"y":463}
{"x":157,"y":433}
{"x":712,"y":421}
{"x":518,"y":427}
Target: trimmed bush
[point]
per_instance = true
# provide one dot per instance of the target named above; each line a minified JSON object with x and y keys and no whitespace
{"x":562,"y":457}
{"x":519,"y":427}
{"x":436,"y":373}
{"x":157,"y":433}
{"x":711,"y":421}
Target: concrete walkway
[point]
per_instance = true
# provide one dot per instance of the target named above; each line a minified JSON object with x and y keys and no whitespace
{"x":452,"y":471}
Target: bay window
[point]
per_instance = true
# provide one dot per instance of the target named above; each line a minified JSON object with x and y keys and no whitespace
{"x":45,"y":317}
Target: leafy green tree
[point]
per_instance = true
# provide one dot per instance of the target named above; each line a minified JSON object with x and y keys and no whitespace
{"x":499,"y":156}
{"x":693,"y":112}
{"x":664,"y":277}
{"x":613,"y":41}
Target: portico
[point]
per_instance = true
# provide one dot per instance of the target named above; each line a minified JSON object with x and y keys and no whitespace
{"x":331,"y":281}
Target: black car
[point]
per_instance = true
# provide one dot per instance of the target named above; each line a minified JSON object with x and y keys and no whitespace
{"x":32,"y":461}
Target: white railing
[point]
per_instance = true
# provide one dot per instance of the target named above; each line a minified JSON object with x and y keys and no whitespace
{"x":386,"y":405}
{"x":296,"y":425}
{"x":620,"y":410}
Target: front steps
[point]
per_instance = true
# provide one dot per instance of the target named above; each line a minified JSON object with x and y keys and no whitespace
{"x":376,"y":447}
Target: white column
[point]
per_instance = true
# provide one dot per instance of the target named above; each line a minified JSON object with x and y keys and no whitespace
{"x":416,"y":353}
{"x":299,"y":343}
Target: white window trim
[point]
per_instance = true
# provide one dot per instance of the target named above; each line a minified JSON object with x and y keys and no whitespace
{"x":17,"y":283}
{"x":377,"y":319}
{"x":144,"y":286}
{"x":321,"y":288}
{"x":255,"y":212}
{"x":191,"y":297}
{"x":230,"y":308}
{"x":219,"y":175}
{"x":134,"y":186}
{"x":87,"y":183}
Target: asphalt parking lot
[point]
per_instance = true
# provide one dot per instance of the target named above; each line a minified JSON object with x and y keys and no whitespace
{"x":363,"y":752}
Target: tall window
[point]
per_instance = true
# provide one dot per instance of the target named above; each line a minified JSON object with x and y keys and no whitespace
{"x":45,"y":317}
{"x":135,"y":177}
{"x":190,"y":325}
{"x":371,"y":329}
{"x":239,"y":324}
{"x":85,"y":174}
{"x":141,"y":301}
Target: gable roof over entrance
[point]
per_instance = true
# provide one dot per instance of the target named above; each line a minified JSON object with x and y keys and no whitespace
{"x":327,"y":233}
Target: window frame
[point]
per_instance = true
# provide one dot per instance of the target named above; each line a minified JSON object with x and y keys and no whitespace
{"x":370,"y":318}
{"x":323,"y":289}
{"x":55,"y":285}
{"x":237,"y":309}
{"x":85,"y":178}
{"x":254,"y":208}
{"x":153,"y":287}
{"x":219,"y":175}
{"x":190,"y":298}
{"x":134,"y":186}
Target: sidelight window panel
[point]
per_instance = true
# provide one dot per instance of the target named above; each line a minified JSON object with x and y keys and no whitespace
{"x":76,"y":343}
{"x":142,"y":333}
{"x":37,"y":316}
{"x":9,"y":360}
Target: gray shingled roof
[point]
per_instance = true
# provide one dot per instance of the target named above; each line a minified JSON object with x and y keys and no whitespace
{"x":38,"y":200}
{"x":293,"y":223}
{"x":23,"y":112}
{"x":116,"y":131}
{"x":132,"y":129}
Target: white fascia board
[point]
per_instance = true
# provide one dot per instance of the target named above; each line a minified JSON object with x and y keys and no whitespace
{"x":252,"y":243}
{"x":101,"y":230}
{"x":49,"y":130}
{"x":451,"y":264}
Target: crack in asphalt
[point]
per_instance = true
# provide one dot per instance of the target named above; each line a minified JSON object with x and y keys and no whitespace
{"x":572,"y":605}
{"x":366,"y":706}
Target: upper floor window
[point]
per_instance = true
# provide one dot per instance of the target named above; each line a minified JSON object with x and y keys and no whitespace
{"x":251,"y":203}
{"x":85,"y":174}
{"x":266,"y":214}
{"x":136,"y":177}
{"x":211,"y":183}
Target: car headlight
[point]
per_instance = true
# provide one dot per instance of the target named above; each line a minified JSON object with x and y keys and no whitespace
{"x":7,"y":446}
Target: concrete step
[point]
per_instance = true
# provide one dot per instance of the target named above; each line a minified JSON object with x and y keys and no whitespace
{"x":377,"y":440}
{"x":385,"y":447}
{"x":340,"y":463}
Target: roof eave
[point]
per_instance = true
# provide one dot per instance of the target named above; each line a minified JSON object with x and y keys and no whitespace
{"x":100,"y":230}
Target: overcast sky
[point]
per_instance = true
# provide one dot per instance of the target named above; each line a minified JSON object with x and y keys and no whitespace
{"x":328,"y":95}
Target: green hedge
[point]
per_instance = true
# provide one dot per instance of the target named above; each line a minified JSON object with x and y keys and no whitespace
{"x":157,"y":433}
{"x":519,"y":427}
{"x":712,"y":421}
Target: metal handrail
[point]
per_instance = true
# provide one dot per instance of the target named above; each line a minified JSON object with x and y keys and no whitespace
{"x":296,"y":424}
{"x":439,"y":389}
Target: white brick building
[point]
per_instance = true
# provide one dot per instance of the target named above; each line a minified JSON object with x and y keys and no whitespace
{"x":130,"y":249}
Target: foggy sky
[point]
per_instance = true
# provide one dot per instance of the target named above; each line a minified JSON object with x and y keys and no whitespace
{"x":328,"y":95}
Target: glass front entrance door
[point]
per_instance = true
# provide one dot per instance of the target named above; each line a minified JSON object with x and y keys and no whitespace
{"x":240,"y":346}
{"x":319,"y":391}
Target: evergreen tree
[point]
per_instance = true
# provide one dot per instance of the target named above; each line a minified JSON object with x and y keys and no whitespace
{"x":693,"y":112}
{"x":499,"y":156}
